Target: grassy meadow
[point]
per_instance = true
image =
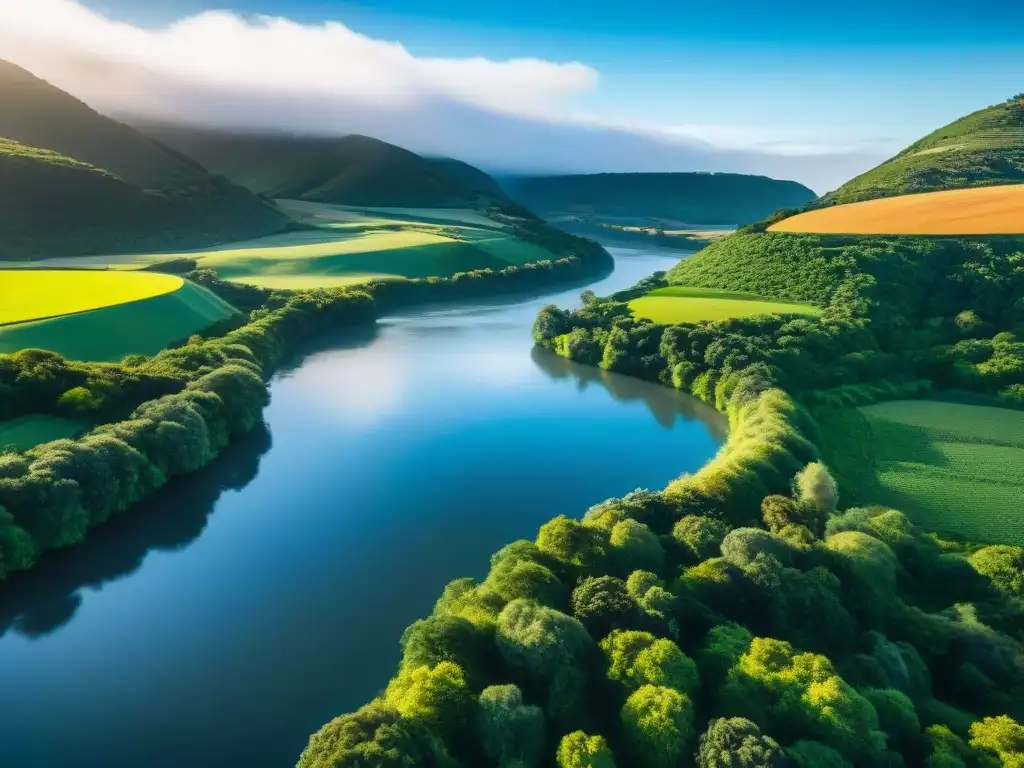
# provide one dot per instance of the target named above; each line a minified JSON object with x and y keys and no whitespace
{"x":953,"y":468}
{"x":26,"y":432}
{"x":138,"y":321}
{"x":976,"y":211}
{"x":346,"y":245}
{"x":681,"y":304}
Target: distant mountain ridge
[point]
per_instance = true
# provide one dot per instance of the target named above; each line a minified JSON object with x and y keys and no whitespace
{"x":347,"y":170}
{"x":165,"y":199}
{"x":686,"y":198}
{"x":980,"y":149}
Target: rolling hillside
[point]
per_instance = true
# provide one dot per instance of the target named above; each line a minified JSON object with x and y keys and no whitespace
{"x":350,"y":170}
{"x":97,"y":166}
{"x":673,"y":198}
{"x":981,"y":149}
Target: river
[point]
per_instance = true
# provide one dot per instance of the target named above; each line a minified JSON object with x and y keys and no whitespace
{"x":227,"y":619}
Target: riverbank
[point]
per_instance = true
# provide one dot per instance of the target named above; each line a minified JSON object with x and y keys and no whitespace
{"x":227,"y":604}
{"x":209,"y":392}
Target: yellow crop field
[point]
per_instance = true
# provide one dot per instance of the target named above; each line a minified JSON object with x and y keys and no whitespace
{"x":38,"y":294}
{"x":102,"y":315}
{"x":977,"y":211}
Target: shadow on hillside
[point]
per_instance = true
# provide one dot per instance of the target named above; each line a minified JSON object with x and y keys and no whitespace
{"x":38,"y":602}
{"x":665,"y":404}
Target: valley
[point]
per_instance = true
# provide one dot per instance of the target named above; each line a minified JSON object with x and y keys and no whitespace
{"x":316,"y":448}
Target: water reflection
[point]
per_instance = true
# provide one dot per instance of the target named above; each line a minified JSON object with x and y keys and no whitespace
{"x":666,"y":405}
{"x":43,"y":600}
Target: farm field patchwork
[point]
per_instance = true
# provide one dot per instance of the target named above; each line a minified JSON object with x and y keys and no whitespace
{"x":346,"y":246}
{"x":681,"y":304}
{"x":102,"y":315}
{"x":952,"y":468}
{"x":26,"y":432}
{"x":997,"y":210}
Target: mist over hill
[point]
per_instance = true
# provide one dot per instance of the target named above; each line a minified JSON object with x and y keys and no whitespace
{"x":79,"y":182}
{"x":349,"y":170}
{"x":686,"y":198}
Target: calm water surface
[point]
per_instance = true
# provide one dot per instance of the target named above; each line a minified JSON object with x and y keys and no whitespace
{"x":222,"y":623}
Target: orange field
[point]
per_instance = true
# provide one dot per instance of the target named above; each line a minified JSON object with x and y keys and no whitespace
{"x":976,"y":211}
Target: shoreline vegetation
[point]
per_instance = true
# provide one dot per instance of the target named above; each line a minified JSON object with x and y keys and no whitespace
{"x":167,"y":415}
{"x":747,"y":613}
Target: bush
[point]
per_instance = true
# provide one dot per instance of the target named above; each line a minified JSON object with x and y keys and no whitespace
{"x":658,"y":726}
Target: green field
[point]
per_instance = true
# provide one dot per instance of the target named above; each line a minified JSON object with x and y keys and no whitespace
{"x":108,"y":334}
{"x":682,"y":304}
{"x":347,"y":246}
{"x":25,"y":432}
{"x":953,"y":468}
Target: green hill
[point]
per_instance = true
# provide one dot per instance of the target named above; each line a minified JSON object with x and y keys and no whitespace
{"x":469,"y":176}
{"x":680,"y":198}
{"x":350,"y":170}
{"x":983,"y":148}
{"x":177,"y":202}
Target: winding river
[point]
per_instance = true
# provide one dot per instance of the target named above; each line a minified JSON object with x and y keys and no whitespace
{"x":228,"y":619}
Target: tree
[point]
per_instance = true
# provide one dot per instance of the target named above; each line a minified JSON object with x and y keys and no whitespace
{"x":16,"y":550}
{"x":896,"y":716}
{"x":603,"y":603}
{"x":429,"y":641}
{"x":635,"y":547}
{"x":814,"y":754}
{"x":573,"y":543}
{"x":636,"y":659}
{"x":551,"y":649}
{"x":1003,"y":565}
{"x":799,"y":695}
{"x":700,"y":536}
{"x":735,"y":742}
{"x":817,"y":489}
{"x":658,"y":726}
{"x":578,"y":750}
{"x":436,"y":696}
{"x":1002,"y":735}
{"x":513,"y":579}
{"x":511,"y":732}
{"x":742,"y":545}
{"x":375,"y":735}
{"x":723,"y":647}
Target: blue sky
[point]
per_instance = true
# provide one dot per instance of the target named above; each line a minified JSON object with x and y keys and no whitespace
{"x":801,"y":77}
{"x":873,"y":70}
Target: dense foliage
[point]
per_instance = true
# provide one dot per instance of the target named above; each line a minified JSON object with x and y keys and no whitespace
{"x":746,"y":616}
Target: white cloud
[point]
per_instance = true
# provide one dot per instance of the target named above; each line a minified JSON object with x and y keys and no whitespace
{"x":221,"y":51}
{"x":220,"y":69}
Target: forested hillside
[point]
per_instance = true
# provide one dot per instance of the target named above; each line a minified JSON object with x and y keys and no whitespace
{"x":167,"y":200}
{"x":349,"y":170}
{"x":983,"y":148}
{"x":685,"y":198}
